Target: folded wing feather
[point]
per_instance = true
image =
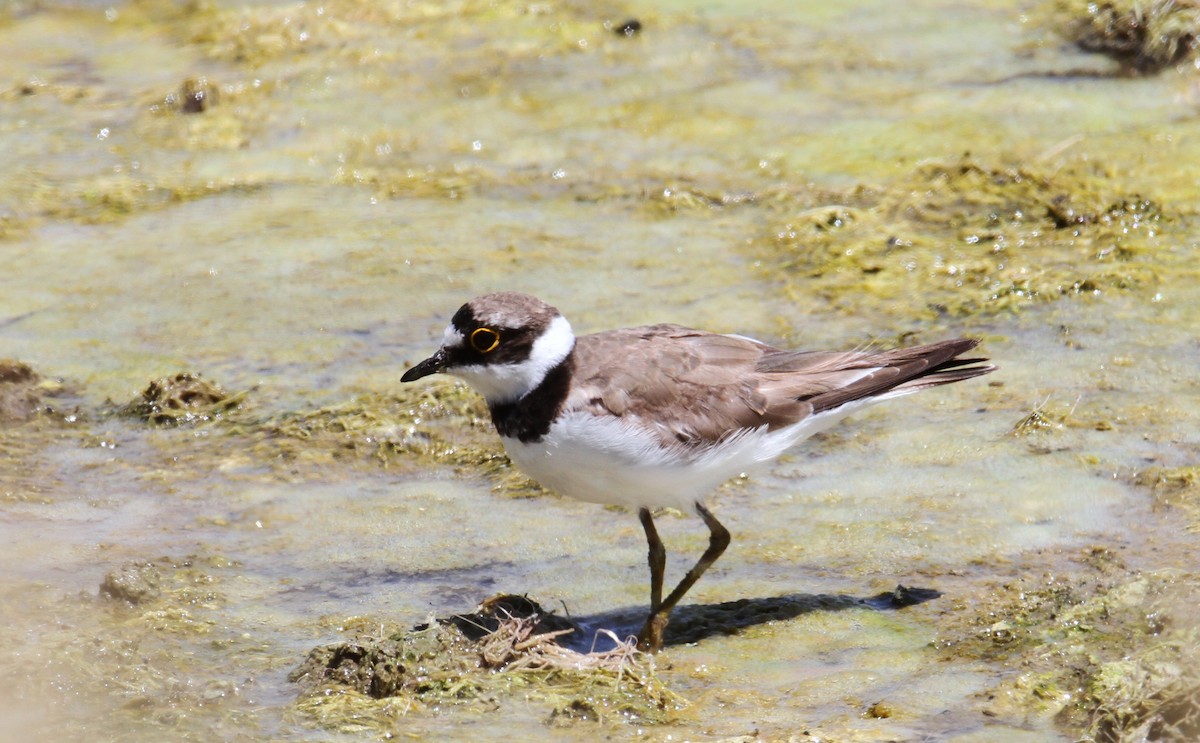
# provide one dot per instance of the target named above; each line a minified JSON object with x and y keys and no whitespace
{"x":700,"y":386}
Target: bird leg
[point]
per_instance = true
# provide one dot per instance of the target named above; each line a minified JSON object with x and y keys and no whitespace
{"x":651,"y":636}
{"x":658,"y":558}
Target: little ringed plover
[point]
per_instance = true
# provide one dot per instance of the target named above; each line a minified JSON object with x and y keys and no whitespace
{"x":660,"y":415}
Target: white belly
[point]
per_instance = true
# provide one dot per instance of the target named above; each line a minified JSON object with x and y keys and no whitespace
{"x":615,"y":461}
{"x":619,"y":462}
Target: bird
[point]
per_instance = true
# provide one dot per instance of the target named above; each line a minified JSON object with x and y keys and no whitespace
{"x":658,"y":416}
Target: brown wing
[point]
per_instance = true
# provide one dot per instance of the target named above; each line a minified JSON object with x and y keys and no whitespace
{"x":699,"y":387}
{"x":829,"y":380}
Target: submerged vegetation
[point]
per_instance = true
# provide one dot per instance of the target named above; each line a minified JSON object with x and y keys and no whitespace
{"x":1107,"y":649}
{"x":966,"y":238}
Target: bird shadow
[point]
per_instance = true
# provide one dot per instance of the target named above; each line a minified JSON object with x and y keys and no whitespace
{"x":692,"y":623}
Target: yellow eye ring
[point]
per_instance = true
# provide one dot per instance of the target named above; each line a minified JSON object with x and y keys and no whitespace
{"x":484,"y":340}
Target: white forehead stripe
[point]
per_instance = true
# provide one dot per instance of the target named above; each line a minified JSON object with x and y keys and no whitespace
{"x":502,"y":383}
{"x":452,"y":337}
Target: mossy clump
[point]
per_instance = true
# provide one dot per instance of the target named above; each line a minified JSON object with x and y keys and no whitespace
{"x":19,"y":399}
{"x":133,"y":583}
{"x":506,"y":649}
{"x":1143,"y":37}
{"x":409,"y":429}
{"x":412,"y":420}
{"x":1039,"y":420}
{"x":1052,"y":417}
{"x":1103,"y":648}
{"x":182,"y":399}
{"x":1145,"y":699}
{"x":1146,"y":685}
{"x":167,"y":589}
{"x":964,"y":238}
{"x":25,"y":394}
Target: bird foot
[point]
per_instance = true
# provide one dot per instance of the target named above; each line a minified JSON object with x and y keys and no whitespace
{"x":650,"y":639}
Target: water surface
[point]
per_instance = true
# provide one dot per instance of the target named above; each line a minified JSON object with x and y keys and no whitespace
{"x":367,"y":167}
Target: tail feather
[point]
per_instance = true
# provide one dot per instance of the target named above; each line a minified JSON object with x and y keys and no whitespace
{"x":955,"y":370}
{"x":907,"y":370}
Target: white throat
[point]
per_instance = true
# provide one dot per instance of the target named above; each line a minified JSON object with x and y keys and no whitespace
{"x":504,"y":383}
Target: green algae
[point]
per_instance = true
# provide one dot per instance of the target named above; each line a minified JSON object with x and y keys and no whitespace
{"x":124,"y":181}
{"x":299,"y":39}
{"x":963,"y":238}
{"x":1104,"y":648}
{"x":414,"y":428}
{"x":253,"y":36}
{"x":106,"y":198}
{"x":1142,"y":37}
{"x":505,"y":652}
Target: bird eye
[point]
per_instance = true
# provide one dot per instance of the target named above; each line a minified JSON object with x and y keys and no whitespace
{"x":484,"y":340}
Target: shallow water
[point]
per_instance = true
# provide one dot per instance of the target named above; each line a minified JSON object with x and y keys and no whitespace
{"x":366,"y":168}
